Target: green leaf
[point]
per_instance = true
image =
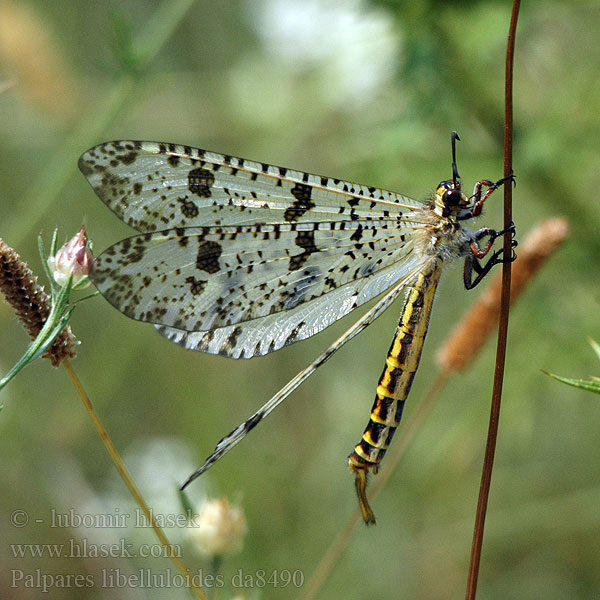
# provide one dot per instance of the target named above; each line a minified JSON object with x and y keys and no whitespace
{"x":582,"y":384}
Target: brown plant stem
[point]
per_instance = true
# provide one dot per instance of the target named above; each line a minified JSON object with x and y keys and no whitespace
{"x":488,"y":461}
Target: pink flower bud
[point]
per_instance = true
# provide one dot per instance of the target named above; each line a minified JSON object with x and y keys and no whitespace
{"x":75,"y":257}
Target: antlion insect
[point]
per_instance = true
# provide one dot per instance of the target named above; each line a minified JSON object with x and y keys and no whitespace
{"x":241,"y":258}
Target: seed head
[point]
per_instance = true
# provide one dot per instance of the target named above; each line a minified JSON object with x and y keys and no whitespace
{"x":219,"y":528}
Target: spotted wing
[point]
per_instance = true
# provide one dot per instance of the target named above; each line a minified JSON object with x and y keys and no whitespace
{"x":155,"y":186}
{"x":248,"y":290}
{"x":241,"y":258}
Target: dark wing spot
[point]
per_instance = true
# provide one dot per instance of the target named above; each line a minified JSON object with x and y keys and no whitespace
{"x":355,"y":237}
{"x":306,"y":241}
{"x":231,"y":341}
{"x":252,"y":422}
{"x":128,"y":158}
{"x":188,"y":208}
{"x":302,"y":204}
{"x":294,"y":334}
{"x":133,"y":250}
{"x":208,"y":255}
{"x":200,"y":181}
{"x":196,"y":285}
{"x":331,"y":283}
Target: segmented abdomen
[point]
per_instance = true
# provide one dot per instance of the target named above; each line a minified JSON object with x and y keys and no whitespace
{"x":400,"y":366}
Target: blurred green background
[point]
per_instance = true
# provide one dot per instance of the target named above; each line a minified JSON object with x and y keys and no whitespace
{"x":365,"y":91}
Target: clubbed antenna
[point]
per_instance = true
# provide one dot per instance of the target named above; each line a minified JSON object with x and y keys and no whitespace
{"x":455,"y":174}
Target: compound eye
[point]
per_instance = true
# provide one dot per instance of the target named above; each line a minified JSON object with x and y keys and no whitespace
{"x":452,"y":197}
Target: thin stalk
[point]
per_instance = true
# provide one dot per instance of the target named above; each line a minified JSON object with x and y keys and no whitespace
{"x":488,"y":462}
{"x":124,"y":473}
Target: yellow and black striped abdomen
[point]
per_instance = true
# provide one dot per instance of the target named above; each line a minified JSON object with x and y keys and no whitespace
{"x":394,"y":384}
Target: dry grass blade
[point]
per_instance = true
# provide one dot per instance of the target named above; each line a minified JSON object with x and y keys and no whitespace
{"x":131,"y":486}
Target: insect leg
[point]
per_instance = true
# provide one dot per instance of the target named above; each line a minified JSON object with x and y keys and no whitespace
{"x":493,"y":235}
{"x":472,"y":260}
{"x":478,"y":199}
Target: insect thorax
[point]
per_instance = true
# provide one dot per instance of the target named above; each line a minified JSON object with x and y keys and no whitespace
{"x":445,"y":239}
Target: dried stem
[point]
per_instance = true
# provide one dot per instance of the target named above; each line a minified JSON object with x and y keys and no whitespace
{"x":124,"y":473}
{"x":488,"y":462}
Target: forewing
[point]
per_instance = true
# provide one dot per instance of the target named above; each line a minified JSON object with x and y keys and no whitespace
{"x":154,"y":186}
{"x":248,"y":290}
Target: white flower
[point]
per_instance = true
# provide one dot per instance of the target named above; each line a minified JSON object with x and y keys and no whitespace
{"x":219,"y":528}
